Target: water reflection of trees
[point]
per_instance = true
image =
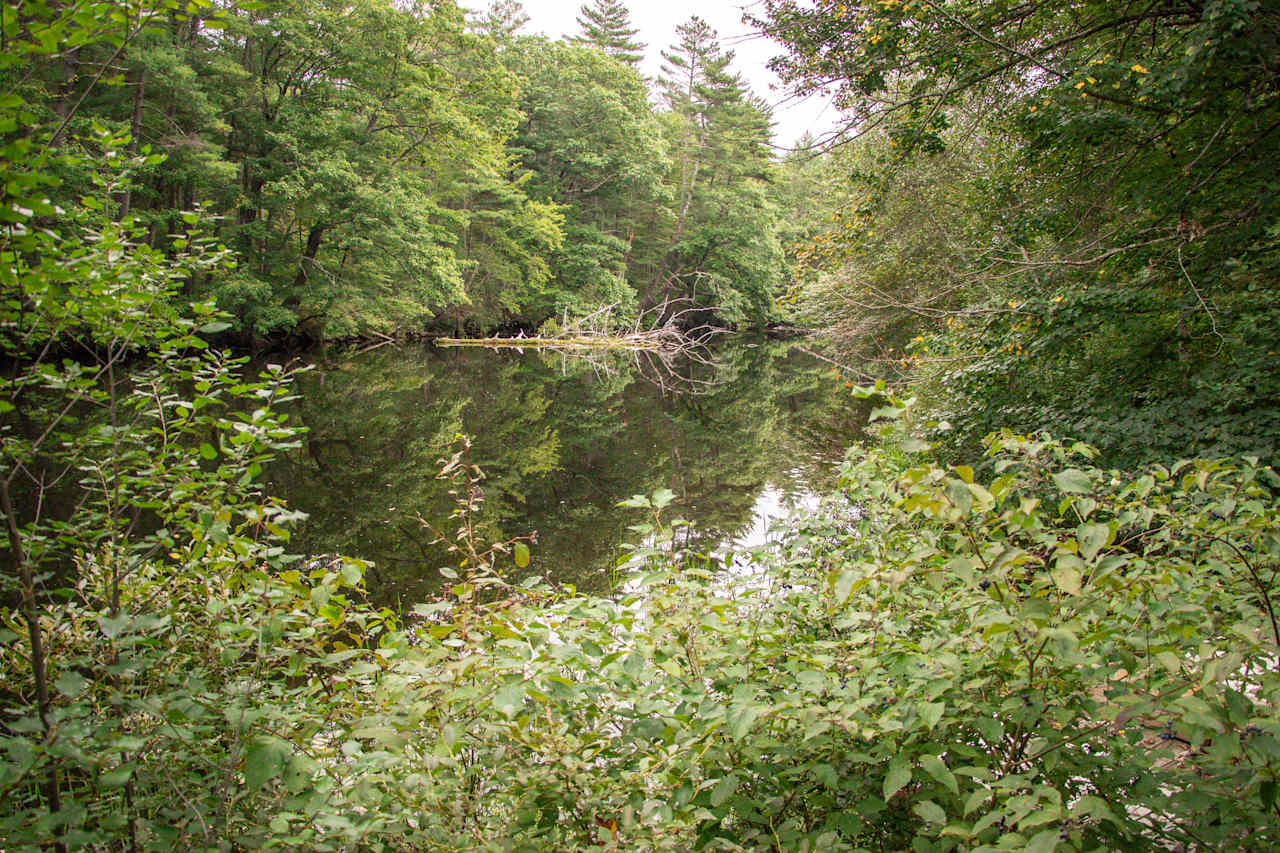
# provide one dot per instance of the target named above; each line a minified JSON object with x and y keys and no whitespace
{"x":561,"y":441}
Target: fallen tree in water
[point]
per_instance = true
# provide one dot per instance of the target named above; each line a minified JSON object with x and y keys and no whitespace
{"x":664,"y":353}
{"x":660,"y":328}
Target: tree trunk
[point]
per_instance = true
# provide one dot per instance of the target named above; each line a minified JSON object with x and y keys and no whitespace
{"x":135,"y":132}
{"x":314,"y":237}
{"x":62,"y":104}
{"x":39,"y":668}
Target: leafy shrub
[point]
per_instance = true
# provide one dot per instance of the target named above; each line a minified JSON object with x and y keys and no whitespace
{"x":1048,"y":657}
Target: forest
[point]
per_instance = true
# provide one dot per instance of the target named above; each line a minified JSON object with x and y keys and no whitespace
{"x":1038,"y":262}
{"x":381,"y":168}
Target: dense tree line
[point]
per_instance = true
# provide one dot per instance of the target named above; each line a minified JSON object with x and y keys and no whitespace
{"x":384,"y":167}
{"x":1060,"y":215}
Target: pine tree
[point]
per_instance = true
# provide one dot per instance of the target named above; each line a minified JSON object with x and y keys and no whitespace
{"x":606,"y":25}
{"x":695,"y":72}
{"x":503,"y":20}
{"x":722,"y":251}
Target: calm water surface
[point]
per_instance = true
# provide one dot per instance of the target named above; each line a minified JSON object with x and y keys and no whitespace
{"x":561,"y":441}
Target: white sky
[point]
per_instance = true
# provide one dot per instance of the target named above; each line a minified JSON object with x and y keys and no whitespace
{"x":657,"y":21}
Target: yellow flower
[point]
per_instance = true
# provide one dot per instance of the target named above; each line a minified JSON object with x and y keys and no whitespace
{"x":1137,"y":69}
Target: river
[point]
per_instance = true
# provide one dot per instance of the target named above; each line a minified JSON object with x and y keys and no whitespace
{"x":742,"y":437}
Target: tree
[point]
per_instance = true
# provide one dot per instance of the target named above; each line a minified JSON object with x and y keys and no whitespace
{"x":1117,"y":255}
{"x":591,"y":142}
{"x":357,"y":153}
{"x":127,"y":471}
{"x":503,"y":20}
{"x":606,"y":25}
{"x":721,"y":250}
{"x":370,"y":149}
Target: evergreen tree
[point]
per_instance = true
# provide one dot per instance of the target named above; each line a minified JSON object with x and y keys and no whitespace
{"x":503,"y":20}
{"x":722,"y":252}
{"x":606,"y":25}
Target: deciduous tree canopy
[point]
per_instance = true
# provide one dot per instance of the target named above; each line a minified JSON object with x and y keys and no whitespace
{"x":1074,"y":201}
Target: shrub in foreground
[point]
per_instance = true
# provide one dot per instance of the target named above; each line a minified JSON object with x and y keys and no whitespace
{"x":1044,"y":656}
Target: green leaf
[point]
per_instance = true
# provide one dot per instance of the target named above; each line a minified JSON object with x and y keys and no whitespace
{"x":520,"y":554}
{"x":509,"y":700}
{"x":897,"y":778}
{"x":207,"y":451}
{"x":1073,"y":480}
{"x":844,"y":586}
{"x":741,"y":718}
{"x":264,"y":761}
{"x":885,"y":412}
{"x":960,"y":495}
{"x":976,"y":799}
{"x":1067,"y":578}
{"x":112,"y":627}
{"x":724,"y":790}
{"x":937,"y":768}
{"x":663,"y":498}
{"x":1043,"y":842}
{"x":930,"y":713}
{"x":911,"y":444}
{"x":70,"y":683}
{"x":930,"y":811}
{"x":827,"y":775}
{"x":1096,"y":807}
{"x":1091,"y":538}
{"x":115,"y":778}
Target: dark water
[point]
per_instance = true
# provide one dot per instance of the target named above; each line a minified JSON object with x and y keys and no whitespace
{"x":561,"y":441}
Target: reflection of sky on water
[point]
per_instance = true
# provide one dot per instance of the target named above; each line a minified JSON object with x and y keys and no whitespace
{"x":732,"y":558}
{"x":773,"y":505}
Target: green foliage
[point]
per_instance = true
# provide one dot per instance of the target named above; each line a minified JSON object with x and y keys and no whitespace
{"x":591,"y":142}
{"x":1029,"y":653}
{"x":606,"y":26}
{"x":1074,"y":206}
{"x":502,"y":20}
{"x":130,"y":517}
{"x":722,"y":252}
{"x":1045,"y":656}
{"x":1035,"y":655}
{"x":374,"y":186}
{"x":1049,"y":657}
{"x":382,"y":168}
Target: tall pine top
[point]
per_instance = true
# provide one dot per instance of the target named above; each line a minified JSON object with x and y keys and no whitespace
{"x":606,"y":24}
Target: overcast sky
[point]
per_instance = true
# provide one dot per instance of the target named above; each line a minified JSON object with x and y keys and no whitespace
{"x":657,"y":21}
